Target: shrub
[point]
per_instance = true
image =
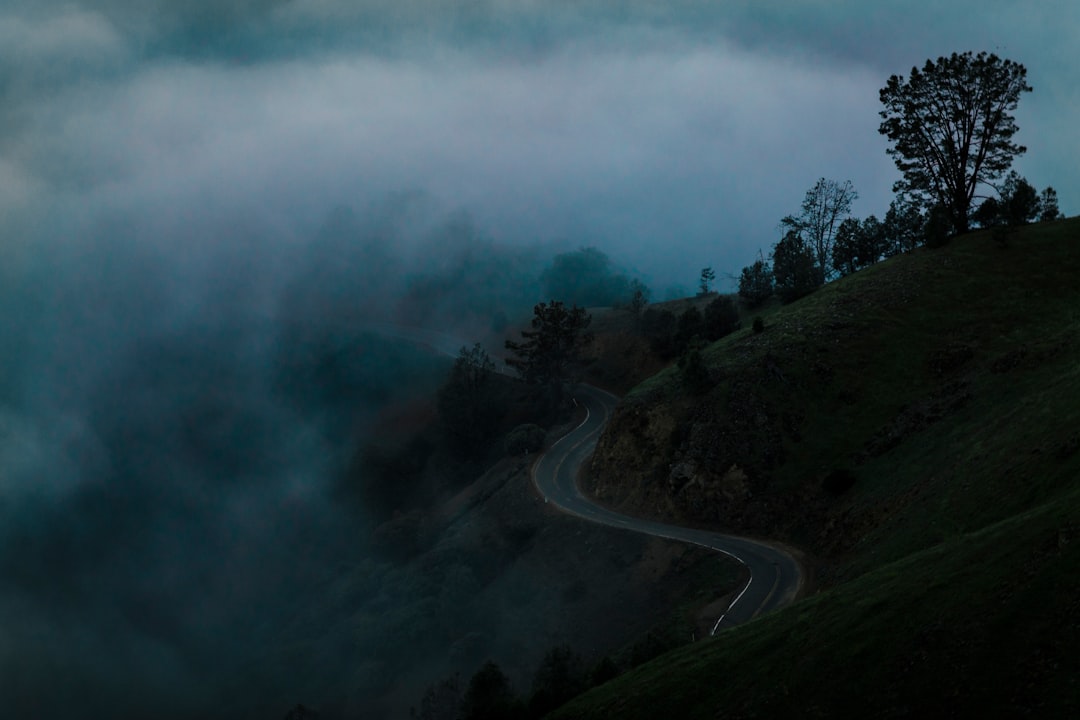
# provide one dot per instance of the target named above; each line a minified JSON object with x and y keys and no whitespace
{"x":694,"y":373}
{"x":524,"y":438}
{"x":721,"y":318}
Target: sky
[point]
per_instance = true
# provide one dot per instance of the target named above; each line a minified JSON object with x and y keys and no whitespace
{"x":197,"y":195}
{"x":670,"y":137}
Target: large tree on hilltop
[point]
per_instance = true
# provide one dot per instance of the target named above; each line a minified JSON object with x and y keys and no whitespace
{"x":951,"y":128}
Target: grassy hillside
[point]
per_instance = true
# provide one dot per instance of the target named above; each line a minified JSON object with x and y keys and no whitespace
{"x":916,"y":427}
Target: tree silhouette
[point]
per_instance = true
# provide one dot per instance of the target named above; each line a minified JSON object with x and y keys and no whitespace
{"x":551,"y":350}
{"x":825,"y":206}
{"x":951,"y":128}
{"x":705,"y":282}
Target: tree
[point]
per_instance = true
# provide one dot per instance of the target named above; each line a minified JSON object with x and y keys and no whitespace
{"x":903,"y":226}
{"x":951,"y":128}
{"x":721,"y":317}
{"x":659,"y":327}
{"x":1018,"y":203}
{"x":846,"y":249}
{"x":691,"y":324}
{"x":825,"y":206}
{"x":756,"y":283}
{"x":858,"y":244}
{"x":470,"y":406}
{"x":1048,"y":205}
{"x":441,"y":701}
{"x":705,"y":282}
{"x":585,"y":277}
{"x":524,"y":439}
{"x":551,"y":351}
{"x":490,"y":696}
{"x":560,"y":677}
{"x":795,"y":268}
{"x":695,"y":374}
{"x":639,"y":297}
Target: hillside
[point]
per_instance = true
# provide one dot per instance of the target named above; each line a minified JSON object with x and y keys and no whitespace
{"x":914,"y":427}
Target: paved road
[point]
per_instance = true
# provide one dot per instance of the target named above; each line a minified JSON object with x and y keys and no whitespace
{"x":775,"y":575}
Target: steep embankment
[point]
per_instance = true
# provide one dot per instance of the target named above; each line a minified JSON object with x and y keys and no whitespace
{"x":931,"y":383}
{"x":915,"y":426}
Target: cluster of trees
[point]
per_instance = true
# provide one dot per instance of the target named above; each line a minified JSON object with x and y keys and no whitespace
{"x":550,"y":352}
{"x":670,"y":335}
{"x":561,"y":676}
{"x":489,"y":694}
{"x":588,"y":278}
{"x":950,"y":126}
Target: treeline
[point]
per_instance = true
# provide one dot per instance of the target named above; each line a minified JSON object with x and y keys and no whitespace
{"x":824,"y":241}
{"x":950,"y":126}
{"x":561,"y":676}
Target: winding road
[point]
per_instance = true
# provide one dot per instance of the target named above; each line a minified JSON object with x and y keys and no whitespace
{"x":775,"y":574}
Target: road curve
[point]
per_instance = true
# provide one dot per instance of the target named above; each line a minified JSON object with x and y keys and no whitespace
{"x":775,"y":575}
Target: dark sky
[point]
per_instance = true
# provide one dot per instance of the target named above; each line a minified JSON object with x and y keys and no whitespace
{"x":671,"y":135}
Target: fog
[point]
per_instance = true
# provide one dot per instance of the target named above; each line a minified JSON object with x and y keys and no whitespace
{"x":199,"y":198}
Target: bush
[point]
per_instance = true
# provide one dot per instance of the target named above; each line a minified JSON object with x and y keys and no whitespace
{"x":690,"y":324}
{"x":721,"y":318}
{"x":695,"y":374}
{"x":659,"y":327}
{"x":524,"y":438}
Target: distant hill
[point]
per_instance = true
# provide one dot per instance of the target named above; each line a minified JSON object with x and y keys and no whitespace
{"x":915,"y":428}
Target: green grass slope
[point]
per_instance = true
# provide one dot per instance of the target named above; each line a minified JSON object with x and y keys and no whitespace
{"x":947,"y":384}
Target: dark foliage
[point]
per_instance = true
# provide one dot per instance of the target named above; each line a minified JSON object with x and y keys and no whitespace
{"x":721,"y":318}
{"x":951,"y":128}
{"x":938,"y":228}
{"x":858,"y":244}
{"x":705,"y":281}
{"x":795,"y":268}
{"x":441,"y":701}
{"x":301,"y":712}
{"x":551,"y":351}
{"x":1018,"y":203}
{"x":559,"y":678}
{"x":659,"y":327}
{"x":471,"y":403}
{"x":756,"y":283}
{"x":649,"y":647}
{"x":904,"y":226}
{"x":695,"y":374}
{"x":525,"y":438}
{"x":586,"y":277}
{"x":824,"y":208}
{"x":639,"y":297}
{"x":604,"y":670}
{"x":691,"y":324}
{"x":490,"y":696}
